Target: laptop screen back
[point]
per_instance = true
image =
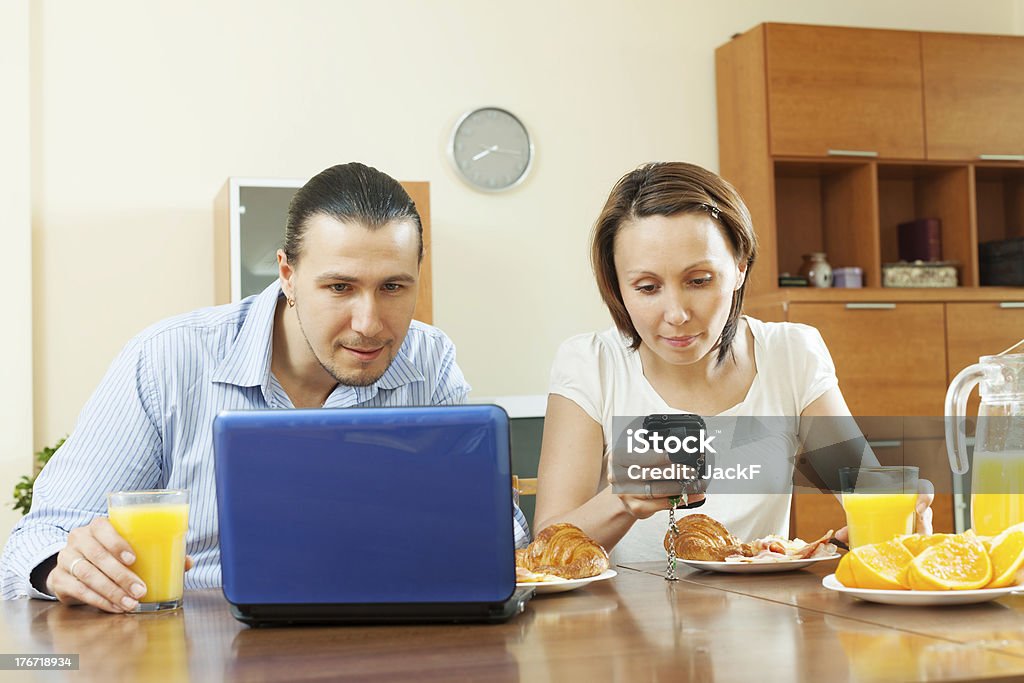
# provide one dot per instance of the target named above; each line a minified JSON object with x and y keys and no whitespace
{"x":388,"y":505}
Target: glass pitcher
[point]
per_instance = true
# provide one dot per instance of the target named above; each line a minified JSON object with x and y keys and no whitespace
{"x":997,"y":488}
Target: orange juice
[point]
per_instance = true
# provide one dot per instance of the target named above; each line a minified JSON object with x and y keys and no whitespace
{"x":877,"y":517}
{"x":997,"y":491}
{"x":156,"y":534}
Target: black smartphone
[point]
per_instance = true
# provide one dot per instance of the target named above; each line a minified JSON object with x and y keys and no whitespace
{"x":679,"y":436}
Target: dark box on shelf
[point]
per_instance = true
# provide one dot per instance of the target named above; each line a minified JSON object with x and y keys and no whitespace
{"x":920,"y":240}
{"x":1001,"y":263}
{"x":792,"y":281}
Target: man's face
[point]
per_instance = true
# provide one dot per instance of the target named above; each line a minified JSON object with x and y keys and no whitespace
{"x":354,"y":291}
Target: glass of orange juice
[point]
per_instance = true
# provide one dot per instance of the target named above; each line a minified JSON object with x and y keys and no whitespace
{"x":154,"y":524}
{"x":879,"y":502}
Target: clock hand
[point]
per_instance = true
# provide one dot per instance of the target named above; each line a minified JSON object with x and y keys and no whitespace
{"x":499,"y":150}
{"x":481,"y":155}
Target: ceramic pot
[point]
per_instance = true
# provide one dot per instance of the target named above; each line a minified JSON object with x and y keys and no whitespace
{"x":817,"y":270}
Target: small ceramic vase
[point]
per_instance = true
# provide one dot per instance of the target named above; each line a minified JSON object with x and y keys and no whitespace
{"x":817,"y":270}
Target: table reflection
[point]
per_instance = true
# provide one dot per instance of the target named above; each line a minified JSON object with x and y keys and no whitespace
{"x":129,"y":647}
{"x":366,"y":652}
{"x":877,"y":655}
{"x":630,"y":635}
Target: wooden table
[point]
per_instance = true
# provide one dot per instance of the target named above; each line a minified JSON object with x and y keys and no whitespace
{"x":635,"y":627}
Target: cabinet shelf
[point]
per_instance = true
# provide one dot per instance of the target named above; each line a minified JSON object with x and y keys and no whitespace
{"x":908,"y":191}
{"x":827,"y":206}
{"x":1010,"y":297}
{"x":1000,"y":201}
{"x":851,"y":210}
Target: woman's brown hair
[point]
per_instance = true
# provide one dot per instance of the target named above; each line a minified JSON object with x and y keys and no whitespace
{"x":670,"y":189}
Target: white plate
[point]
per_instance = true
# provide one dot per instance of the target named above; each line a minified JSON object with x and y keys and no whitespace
{"x":918,"y":598}
{"x":569,"y":585}
{"x":756,"y":567}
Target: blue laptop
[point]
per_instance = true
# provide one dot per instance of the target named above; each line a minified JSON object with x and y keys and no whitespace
{"x":366,"y":515}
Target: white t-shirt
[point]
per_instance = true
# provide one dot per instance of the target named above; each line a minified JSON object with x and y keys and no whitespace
{"x":601,"y":374}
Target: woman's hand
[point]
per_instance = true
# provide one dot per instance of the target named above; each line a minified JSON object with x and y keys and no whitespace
{"x":642,"y":507}
{"x":923,"y":507}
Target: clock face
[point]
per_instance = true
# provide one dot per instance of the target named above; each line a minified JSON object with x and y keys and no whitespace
{"x":491,"y":149}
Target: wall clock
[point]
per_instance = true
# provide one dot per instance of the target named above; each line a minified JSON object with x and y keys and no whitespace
{"x":491,"y":149}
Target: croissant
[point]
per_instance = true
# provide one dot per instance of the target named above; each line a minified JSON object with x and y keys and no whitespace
{"x":565,"y":551}
{"x":702,"y":538}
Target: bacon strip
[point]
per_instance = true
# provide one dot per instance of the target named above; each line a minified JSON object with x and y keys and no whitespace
{"x":810,"y":549}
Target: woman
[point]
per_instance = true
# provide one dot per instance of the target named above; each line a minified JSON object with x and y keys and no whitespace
{"x":672,"y":251}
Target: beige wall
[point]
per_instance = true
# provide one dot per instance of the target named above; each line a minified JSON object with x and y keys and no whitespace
{"x":16,"y":230}
{"x":141,"y":110}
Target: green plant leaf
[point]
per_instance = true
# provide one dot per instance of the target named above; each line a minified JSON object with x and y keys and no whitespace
{"x":23,"y":489}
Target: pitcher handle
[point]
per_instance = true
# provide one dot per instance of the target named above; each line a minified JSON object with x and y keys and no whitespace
{"x":956,"y":416}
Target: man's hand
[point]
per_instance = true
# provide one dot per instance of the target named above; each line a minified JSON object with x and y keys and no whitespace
{"x":92,"y":569}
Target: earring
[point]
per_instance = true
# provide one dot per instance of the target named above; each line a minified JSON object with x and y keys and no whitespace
{"x":291,"y":303}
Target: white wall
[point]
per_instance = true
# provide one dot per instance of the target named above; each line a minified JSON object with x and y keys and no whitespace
{"x":16,"y":231}
{"x":143,"y":109}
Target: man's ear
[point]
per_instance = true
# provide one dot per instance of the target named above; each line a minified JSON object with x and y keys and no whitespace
{"x":285,"y":273}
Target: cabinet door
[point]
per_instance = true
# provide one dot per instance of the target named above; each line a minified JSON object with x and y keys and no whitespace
{"x":890,"y":358}
{"x":982,"y":329}
{"x":844,"y":89}
{"x":973,"y":95}
{"x":813,"y":514}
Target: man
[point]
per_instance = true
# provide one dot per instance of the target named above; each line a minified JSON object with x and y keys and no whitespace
{"x":335,"y":330}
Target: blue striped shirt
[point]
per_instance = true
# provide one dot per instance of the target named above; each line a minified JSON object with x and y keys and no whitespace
{"x":148,"y":425}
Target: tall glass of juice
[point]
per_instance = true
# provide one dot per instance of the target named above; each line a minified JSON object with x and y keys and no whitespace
{"x":154,"y":523}
{"x":879,"y":502}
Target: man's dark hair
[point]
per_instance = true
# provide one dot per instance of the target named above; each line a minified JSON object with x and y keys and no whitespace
{"x":351,"y":193}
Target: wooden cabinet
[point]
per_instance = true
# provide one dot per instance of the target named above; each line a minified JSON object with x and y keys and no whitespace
{"x":790,"y":97}
{"x":898,"y":361}
{"x":834,"y":90}
{"x":812,"y":514}
{"x":923,"y":108}
{"x":890,"y":358}
{"x":973,"y":95}
{"x":891,"y":361}
{"x":981,"y":329}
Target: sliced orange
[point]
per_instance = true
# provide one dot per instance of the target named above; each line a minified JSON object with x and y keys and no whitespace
{"x":1007,"y":555}
{"x":918,"y":543}
{"x":880,"y":565}
{"x":959,"y":563}
{"x":844,"y":574}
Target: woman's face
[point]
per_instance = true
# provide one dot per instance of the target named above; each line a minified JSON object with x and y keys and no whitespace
{"x":677,"y":275}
